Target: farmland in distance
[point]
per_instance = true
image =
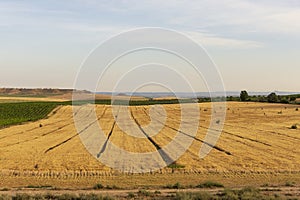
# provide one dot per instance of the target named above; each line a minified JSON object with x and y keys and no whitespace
{"x":257,"y":146}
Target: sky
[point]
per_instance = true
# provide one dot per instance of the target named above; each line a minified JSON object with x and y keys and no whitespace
{"x":255,"y":44}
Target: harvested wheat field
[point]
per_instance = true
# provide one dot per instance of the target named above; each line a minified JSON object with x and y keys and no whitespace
{"x":257,"y":146}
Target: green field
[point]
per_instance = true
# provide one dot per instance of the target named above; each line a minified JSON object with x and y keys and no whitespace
{"x":16,"y":113}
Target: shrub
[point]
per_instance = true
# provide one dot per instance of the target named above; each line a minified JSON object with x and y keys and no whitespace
{"x":193,"y":195}
{"x":272,"y":98}
{"x":176,"y":166}
{"x":229,"y":194}
{"x":249,"y":193}
{"x":112,"y":187}
{"x":131,"y":195}
{"x":210,"y":184}
{"x":144,"y":193}
{"x":98,"y":186}
{"x":175,"y":186}
{"x":294,"y":126}
{"x":244,"y":95}
{"x":289,"y":184}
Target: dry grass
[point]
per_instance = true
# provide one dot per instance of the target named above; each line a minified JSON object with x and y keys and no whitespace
{"x":260,"y":141}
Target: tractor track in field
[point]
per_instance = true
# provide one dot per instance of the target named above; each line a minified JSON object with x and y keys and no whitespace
{"x":75,"y":135}
{"x":275,"y":145}
{"x":109,"y":135}
{"x":166,"y":158}
{"x":230,"y":133}
{"x":246,"y":139}
{"x":37,"y":137}
{"x":239,"y":136}
{"x":266,"y":131}
{"x":195,"y":138}
{"x":192,"y":153}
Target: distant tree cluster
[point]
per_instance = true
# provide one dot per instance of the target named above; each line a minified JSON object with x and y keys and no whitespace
{"x":271,"y":98}
{"x":244,"y":95}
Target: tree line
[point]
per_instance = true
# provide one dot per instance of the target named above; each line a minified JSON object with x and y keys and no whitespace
{"x":271,"y":98}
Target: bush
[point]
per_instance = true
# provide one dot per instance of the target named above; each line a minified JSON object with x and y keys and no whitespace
{"x":175,"y":186}
{"x":294,"y":126}
{"x":244,"y":95}
{"x":176,"y":166}
{"x":229,"y":194}
{"x":210,"y":184}
{"x":272,"y":98}
{"x":131,"y":195}
{"x":144,"y":193}
{"x":293,"y":98}
{"x":112,"y":187}
{"x":191,"y":196}
{"x":289,"y":184}
{"x":249,"y":193}
{"x":98,"y":186}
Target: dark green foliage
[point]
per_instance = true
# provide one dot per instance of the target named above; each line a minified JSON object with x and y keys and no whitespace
{"x":284,"y":101}
{"x":290,"y":184}
{"x":210,"y":184}
{"x":272,"y":98}
{"x":194,"y":196}
{"x":294,"y":126}
{"x":98,"y":186}
{"x":177,"y":186}
{"x":130,"y":195}
{"x":174,"y":186}
{"x":293,"y":98}
{"x":144,"y":193}
{"x":15,"y":113}
{"x":244,"y":95}
{"x":176,"y":166}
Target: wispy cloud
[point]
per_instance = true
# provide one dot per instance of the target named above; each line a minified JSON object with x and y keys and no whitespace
{"x":93,"y":28}
{"x":217,"y":41}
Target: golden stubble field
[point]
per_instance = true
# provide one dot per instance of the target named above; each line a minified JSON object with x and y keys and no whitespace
{"x":256,"y":147}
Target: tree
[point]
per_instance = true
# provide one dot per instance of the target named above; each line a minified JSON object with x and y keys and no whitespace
{"x":272,"y":98}
{"x":292,"y":98}
{"x":244,"y":95}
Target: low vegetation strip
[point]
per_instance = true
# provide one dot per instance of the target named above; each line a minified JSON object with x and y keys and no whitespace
{"x":16,"y":113}
{"x":19,"y":112}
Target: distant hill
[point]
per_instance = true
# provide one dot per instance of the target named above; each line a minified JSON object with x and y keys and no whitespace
{"x":36,"y":92}
{"x":67,"y":93}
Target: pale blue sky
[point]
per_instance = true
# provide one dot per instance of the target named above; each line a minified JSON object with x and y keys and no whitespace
{"x":255,"y":44}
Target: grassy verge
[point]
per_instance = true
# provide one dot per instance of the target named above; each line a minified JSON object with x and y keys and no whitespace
{"x":247,"y":193}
